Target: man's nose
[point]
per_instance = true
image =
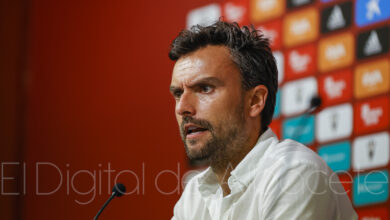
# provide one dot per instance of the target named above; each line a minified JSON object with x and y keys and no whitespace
{"x":185,"y":106}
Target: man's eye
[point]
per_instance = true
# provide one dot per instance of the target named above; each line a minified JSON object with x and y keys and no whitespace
{"x":177,"y":94}
{"x":206,"y":88}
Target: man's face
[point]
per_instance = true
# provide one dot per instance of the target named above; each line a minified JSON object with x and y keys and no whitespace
{"x":210,"y":109}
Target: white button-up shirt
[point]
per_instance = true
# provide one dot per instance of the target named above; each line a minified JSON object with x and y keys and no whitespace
{"x":275,"y":180}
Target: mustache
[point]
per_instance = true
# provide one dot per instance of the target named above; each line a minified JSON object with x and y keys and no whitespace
{"x":199,"y":122}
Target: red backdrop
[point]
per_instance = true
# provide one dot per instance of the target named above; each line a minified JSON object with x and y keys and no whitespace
{"x":95,"y":92}
{"x":97,"y":89}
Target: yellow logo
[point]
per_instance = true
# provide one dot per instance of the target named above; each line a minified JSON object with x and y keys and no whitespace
{"x":300,"y":27}
{"x":372,"y":78}
{"x":262,"y":10}
{"x":335,"y":52}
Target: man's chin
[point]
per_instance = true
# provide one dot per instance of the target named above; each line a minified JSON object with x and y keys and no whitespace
{"x":195,"y":151}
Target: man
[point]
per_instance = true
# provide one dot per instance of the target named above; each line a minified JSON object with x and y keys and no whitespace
{"x":224,"y":82}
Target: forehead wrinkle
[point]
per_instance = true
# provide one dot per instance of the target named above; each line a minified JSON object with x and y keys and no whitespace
{"x":186,"y":63}
{"x":186,"y":68}
{"x":193,"y":66}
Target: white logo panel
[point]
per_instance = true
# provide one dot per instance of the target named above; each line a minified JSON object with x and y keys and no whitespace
{"x":370,"y":151}
{"x":234,"y":12}
{"x":334,"y":123}
{"x":204,"y":16}
{"x":279,"y":58}
{"x":297,"y":95}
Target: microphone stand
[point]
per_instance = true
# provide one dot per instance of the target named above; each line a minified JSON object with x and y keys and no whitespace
{"x":118,"y":191}
{"x":104,"y":206}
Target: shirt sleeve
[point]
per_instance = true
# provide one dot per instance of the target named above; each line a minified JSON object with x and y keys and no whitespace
{"x":302,"y":192}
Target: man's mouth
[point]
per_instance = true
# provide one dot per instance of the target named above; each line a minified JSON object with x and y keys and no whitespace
{"x":192,"y":130}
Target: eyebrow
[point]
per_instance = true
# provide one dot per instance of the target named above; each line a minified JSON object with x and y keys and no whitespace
{"x":207,"y":80}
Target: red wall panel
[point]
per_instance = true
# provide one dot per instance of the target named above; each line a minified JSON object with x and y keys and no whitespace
{"x":98,"y":78}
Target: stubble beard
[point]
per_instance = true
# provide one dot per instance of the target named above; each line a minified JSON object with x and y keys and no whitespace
{"x":225,"y":143}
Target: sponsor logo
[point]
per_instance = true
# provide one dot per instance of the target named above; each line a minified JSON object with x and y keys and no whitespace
{"x":371,"y":188}
{"x":372,"y":45}
{"x":236,"y":11}
{"x":266,"y":5}
{"x":297,"y":3}
{"x":374,"y":42}
{"x":371,"y":115}
{"x":272,"y":30}
{"x":334,"y":123}
{"x":300,"y":27}
{"x":336,"y":52}
{"x":371,"y":11}
{"x":372,"y":78}
{"x":280,"y":65}
{"x":336,"y":17}
{"x":204,"y":16}
{"x":300,"y":129}
{"x":336,"y":87}
{"x":296,"y":95}
{"x":301,"y":61}
{"x":333,"y":88}
{"x":370,"y":151}
{"x":337,"y":156}
{"x":262,"y":10}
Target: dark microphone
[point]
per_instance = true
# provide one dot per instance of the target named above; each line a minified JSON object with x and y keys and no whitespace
{"x":315,"y":102}
{"x":117,"y":191}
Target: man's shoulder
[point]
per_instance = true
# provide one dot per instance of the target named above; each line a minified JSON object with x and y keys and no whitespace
{"x":291,"y":175}
{"x":289,"y":153}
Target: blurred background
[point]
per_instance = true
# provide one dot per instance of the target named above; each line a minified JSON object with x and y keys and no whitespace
{"x":85,"y":104}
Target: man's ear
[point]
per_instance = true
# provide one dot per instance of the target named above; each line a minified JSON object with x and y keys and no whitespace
{"x":257,"y":100}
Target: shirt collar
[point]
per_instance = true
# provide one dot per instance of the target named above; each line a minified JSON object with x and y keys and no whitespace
{"x":245,"y":170}
{"x":208,"y":182}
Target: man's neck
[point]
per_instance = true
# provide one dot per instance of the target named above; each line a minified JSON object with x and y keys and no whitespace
{"x":223,"y":170}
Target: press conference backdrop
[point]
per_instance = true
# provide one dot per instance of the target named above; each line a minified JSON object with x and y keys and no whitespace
{"x":338,"y":50}
{"x":88,"y":100}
